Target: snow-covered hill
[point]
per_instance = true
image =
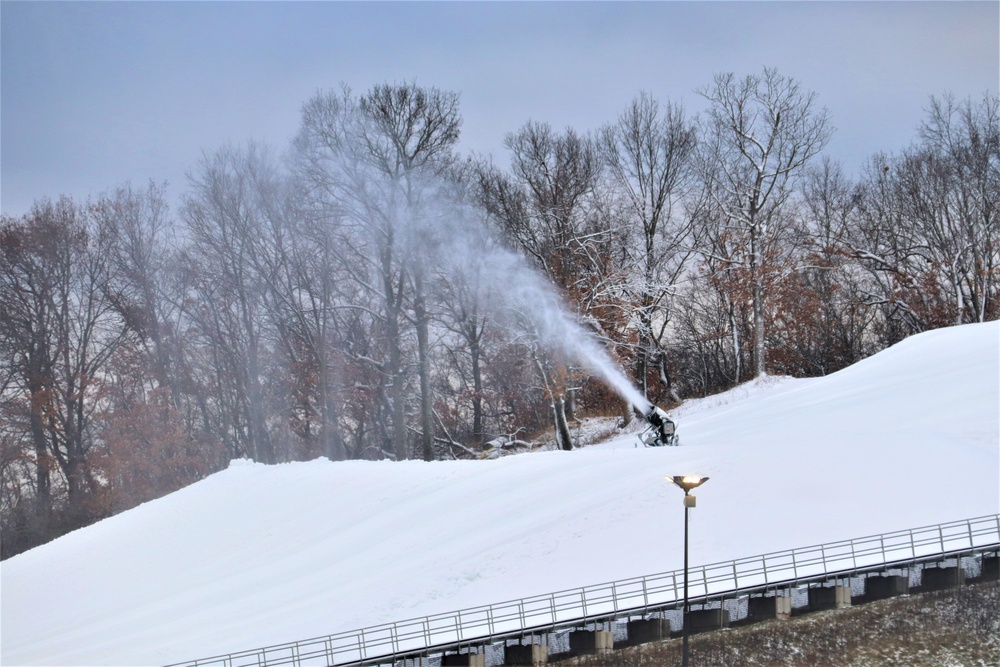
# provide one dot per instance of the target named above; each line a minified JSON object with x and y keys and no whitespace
{"x":257,"y":555}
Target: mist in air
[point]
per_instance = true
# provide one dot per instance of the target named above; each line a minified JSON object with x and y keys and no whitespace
{"x":507,"y":287}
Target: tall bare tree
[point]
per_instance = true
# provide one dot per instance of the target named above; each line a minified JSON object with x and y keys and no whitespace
{"x":141,"y":246}
{"x":965,"y":138}
{"x":824,"y":316}
{"x":373,"y":163}
{"x":649,"y":152}
{"x":757,"y":135}
{"x":545,"y":206}
{"x":61,"y":329}
{"x":928,"y":233}
{"x":226,"y":215}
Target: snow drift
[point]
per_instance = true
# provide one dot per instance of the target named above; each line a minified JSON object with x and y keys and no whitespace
{"x":257,"y":555}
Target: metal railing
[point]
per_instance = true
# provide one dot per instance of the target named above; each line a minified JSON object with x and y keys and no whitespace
{"x":628,"y":597}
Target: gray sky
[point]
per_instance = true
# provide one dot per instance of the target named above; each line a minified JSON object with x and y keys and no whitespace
{"x":94,"y":94}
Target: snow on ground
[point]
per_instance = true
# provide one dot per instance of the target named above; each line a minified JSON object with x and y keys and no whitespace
{"x":257,"y":555}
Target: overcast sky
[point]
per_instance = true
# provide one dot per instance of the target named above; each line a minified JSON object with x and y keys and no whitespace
{"x":95,"y":94}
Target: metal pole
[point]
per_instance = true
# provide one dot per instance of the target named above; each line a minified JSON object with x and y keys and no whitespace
{"x":687,"y":510}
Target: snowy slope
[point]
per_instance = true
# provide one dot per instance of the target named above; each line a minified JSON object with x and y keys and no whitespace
{"x":257,"y":555}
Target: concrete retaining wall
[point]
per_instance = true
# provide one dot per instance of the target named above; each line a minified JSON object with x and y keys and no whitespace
{"x":879,"y":588}
{"x":939,"y":578}
{"x":652,"y":630}
{"x":991,"y":569}
{"x":526,"y":654}
{"x":707,"y":619}
{"x":584,"y":642}
{"x":770,"y":608}
{"x":830,"y":597}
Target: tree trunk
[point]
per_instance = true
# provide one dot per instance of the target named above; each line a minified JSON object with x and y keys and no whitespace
{"x":331,"y":437}
{"x":756,"y":286}
{"x":477,"y":386}
{"x":758,"y":330}
{"x":665,"y":378}
{"x":394,"y":391}
{"x":562,"y":427}
{"x":737,"y":355}
{"x":628,"y":413}
{"x":646,"y":323}
{"x":43,"y":480}
{"x":424,"y":370}
{"x":641,"y":367}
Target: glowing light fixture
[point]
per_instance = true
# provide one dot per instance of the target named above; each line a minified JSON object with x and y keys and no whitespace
{"x":687,"y":482}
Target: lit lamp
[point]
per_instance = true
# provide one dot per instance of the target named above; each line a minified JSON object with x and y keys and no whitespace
{"x":687,"y":482}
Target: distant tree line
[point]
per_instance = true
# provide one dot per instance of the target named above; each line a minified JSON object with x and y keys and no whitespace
{"x":343,"y":301}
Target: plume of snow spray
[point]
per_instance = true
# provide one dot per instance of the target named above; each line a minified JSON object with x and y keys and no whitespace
{"x":507,"y":282}
{"x":558,"y":331}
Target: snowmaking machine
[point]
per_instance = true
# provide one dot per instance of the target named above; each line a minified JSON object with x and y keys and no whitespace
{"x":662,"y":431}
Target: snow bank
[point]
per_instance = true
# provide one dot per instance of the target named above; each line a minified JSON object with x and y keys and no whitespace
{"x":257,"y":555}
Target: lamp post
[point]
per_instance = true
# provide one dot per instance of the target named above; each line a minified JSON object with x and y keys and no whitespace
{"x":687,"y":482}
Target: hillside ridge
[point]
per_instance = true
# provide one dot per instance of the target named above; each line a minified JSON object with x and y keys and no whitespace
{"x":258,"y":555}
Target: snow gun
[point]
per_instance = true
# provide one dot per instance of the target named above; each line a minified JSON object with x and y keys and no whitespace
{"x":662,"y":430}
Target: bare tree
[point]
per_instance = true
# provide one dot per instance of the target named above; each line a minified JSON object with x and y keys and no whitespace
{"x":417,"y":130}
{"x":543,"y":203}
{"x":648,"y":152}
{"x":374,"y":162}
{"x":27,"y":320}
{"x":61,"y":329}
{"x":546,"y":209}
{"x":303,"y":298}
{"x":964,"y":137}
{"x":225,"y":216}
{"x":141,"y":246}
{"x":758,"y":134}
{"x":824,"y":318}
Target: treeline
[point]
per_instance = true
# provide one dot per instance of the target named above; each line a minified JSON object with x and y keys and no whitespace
{"x":365,"y":296}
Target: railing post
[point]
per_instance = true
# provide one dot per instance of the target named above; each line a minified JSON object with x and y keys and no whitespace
{"x":736,"y":577}
{"x":458,"y":624}
{"x":645,"y":596}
